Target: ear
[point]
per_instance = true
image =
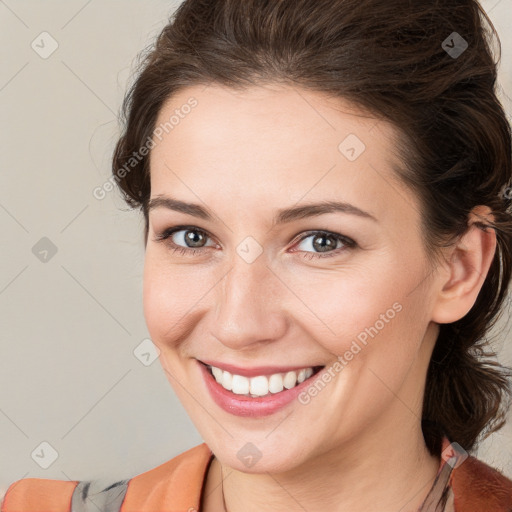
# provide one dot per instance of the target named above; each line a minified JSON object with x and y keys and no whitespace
{"x":466,"y":268}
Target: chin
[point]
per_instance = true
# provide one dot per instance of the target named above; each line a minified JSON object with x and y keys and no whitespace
{"x":259,"y":458}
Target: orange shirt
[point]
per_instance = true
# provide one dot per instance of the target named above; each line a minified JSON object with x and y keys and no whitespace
{"x":462,"y":485}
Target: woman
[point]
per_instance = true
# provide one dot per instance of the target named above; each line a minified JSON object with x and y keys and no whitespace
{"x":326,"y":193}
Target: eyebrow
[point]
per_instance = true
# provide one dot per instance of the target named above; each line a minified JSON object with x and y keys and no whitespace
{"x":282,"y":216}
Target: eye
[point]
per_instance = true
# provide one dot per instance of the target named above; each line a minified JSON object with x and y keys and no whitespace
{"x":192,"y":238}
{"x":326,"y":243}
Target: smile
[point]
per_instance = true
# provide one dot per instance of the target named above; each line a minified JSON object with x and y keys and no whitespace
{"x":261,"y":385}
{"x":261,"y":392}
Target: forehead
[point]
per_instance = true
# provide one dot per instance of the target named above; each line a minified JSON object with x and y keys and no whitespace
{"x":274,"y":144}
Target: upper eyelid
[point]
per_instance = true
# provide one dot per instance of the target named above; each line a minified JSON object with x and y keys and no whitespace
{"x":168,"y":232}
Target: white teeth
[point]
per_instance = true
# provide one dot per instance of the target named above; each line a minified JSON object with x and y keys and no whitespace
{"x":290,"y":379}
{"x":217,"y":373}
{"x":260,"y":385}
{"x":226,"y":381}
{"x":240,"y":385}
{"x":275,"y":383}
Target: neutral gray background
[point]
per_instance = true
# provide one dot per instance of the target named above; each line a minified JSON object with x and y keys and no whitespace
{"x":69,"y":325}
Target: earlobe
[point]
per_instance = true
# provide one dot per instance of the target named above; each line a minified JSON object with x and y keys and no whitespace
{"x":468,"y":264}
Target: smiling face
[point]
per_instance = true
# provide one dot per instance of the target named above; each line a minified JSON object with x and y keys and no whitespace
{"x":251,"y":286}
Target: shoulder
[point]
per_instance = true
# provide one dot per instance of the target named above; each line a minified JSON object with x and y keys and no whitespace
{"x":178,"y":481}
{"x":478,"y":486}
{"x":31,"y":493}
{"x":175,"y":482}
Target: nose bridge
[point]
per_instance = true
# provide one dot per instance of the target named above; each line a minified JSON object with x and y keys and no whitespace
{"x":247,"y":309}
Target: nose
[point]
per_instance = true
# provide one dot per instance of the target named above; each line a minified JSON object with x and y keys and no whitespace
{"x":249,"y":306}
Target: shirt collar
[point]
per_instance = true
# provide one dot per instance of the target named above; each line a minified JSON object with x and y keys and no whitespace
{"x":440,"y":496}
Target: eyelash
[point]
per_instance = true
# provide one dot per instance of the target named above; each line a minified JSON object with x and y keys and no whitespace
{"x":165,"y":235}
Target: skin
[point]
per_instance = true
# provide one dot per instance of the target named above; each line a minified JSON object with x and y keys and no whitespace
{"x":244,"y":155}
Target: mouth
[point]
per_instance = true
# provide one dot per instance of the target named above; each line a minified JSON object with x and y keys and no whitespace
{"x":258,"y":383}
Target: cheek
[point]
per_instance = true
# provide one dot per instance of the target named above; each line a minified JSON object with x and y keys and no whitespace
{"x":366,"y":309}
{"x":173,"y":298}
{"x":167,"y":295}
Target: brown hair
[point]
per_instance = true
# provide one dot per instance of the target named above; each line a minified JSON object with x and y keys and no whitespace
{"x":402,"y":62}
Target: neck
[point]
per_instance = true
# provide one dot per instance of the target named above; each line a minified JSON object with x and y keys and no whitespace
{"x":354,"y":479}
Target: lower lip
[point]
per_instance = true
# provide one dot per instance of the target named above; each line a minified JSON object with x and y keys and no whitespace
{"x":241,"y":405}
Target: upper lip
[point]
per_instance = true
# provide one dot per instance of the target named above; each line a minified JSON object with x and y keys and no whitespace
{"x":256,"y":370}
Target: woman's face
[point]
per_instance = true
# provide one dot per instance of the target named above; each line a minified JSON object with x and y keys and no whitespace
{"x":267,"y":286}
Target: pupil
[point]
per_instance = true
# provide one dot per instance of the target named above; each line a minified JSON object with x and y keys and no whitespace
{"x":193,"y":237}
{"x":322,"y":246}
